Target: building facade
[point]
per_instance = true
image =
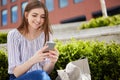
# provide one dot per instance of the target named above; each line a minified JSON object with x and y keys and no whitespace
{"x":60,"y":11}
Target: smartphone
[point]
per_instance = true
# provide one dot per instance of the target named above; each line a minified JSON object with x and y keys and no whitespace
{"x":50,"y":45}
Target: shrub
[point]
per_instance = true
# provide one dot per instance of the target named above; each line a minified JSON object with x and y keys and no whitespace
{"x":3,"y":66}
{"x":104,"y":58}
{"x":101,"y":21}
{"x":3,"y":38}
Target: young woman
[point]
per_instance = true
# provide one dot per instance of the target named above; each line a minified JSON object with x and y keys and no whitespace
{"x":26,"y":45}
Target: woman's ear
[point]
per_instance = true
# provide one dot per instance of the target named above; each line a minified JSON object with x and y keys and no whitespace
{"x":26,"y":15}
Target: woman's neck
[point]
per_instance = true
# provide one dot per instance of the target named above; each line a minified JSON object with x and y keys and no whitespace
{"x":33,"y":34}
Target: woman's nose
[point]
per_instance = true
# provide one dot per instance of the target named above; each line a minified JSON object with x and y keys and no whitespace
{"x":38,"y":19}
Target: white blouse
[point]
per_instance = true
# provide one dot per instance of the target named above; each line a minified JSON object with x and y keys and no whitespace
{"x":21,"y":49}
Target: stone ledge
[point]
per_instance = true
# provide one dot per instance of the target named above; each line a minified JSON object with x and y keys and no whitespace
{"x":112,"y":33}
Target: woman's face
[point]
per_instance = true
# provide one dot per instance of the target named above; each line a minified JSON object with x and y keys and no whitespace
{"x":35,"y":17}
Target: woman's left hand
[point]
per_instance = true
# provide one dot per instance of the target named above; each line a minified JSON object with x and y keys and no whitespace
{"x":53,"y":56}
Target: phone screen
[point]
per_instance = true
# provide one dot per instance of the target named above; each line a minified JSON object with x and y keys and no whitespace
{"x":50,"y":45}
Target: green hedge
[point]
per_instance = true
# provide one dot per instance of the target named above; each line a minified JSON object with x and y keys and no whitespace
{"x":101,"y":21}
{"x":3,"y":66}
{"x":3,"y":38}
{"x":104,"y":58}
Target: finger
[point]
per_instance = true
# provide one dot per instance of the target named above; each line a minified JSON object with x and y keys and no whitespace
{"x":53,"y":57}
{"x":46,"y":54}
{"x":44,"y":48}
{"x":54,"y":52}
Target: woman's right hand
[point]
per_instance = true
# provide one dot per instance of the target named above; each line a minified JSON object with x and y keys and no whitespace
{"x":40,"y":56}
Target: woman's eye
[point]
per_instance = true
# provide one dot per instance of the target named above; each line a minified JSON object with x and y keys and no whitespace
{"x":43,"y":17}
{"x":34,"y":15}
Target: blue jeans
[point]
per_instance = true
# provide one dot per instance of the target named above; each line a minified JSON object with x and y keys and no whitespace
{"x":34,"y":75}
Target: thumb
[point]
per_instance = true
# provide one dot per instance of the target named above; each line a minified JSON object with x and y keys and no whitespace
{"x":44,"y":48}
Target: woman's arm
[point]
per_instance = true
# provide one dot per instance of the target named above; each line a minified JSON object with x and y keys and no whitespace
{"x":21,"y":69}
{"x":38,"y":57}
{"x":53,"y":56}
{"x":49,"y":67}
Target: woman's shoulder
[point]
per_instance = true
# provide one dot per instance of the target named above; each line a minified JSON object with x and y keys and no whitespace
{"x":13,"y":33}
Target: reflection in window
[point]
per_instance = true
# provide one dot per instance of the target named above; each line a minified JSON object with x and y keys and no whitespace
{"x":13,"y":0}
{"x":23,"y":6}
{"x":14,"y":14}
{"x":49,"y":5}
{"x":4,"y":17}
{"x":4,"y":2}
{"x":77,"y":1}
{"x":63,"y":3}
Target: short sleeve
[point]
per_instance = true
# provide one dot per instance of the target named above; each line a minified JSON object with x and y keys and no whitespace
{"x":13,"y":51}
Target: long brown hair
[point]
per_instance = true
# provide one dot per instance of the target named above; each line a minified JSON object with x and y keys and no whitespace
{"x":23,"y":28}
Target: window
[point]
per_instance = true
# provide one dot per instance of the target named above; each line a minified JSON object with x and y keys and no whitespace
{"x":4,"y":17}
{"x":77,"y":1}
{"x":23,"y":6}
{"x":14,"y":14}
{"x":4,"y":2}
{"x":74,"y":19}
{"x":49,"y":5}
{"x":13,"y":0}
{"x":111,"y":11}
{"x":63,"y":3}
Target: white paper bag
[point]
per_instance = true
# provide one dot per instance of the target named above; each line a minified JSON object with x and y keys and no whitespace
{"x":76,"y":70}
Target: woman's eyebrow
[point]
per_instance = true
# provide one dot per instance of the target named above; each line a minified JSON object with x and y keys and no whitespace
{"x":38,"y":13}
{"x":35,"y":13}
